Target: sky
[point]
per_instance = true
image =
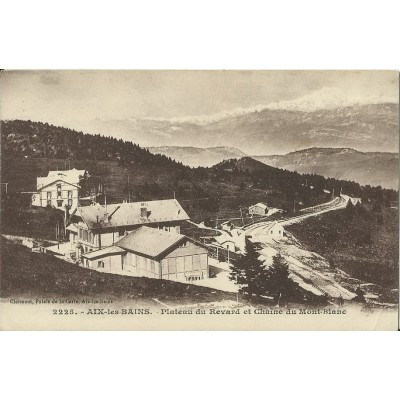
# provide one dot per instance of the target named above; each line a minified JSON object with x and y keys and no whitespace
{"x":77,"y":99}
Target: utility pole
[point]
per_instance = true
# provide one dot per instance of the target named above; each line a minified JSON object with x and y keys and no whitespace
{"x":129,"y":191}
{"x":58,"y":234}
{"x":237,"y":293}
{"x":241,"y":214}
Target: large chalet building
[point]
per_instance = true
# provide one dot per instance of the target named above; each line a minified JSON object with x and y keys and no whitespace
{"x":59,"y":189}
{"x":153,"y":253}
{"x":98,"y":226}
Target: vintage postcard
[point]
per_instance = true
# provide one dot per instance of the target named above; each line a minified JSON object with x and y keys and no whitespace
{"x":199,"y":200}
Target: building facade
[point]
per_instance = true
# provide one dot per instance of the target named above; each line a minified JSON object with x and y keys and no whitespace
{"x":258,"y":209}
{"x":95,"y":227}
{"x":59,"y":189}
{"x":152,"y":253}
{"x":57,"y":194}
{"x":276,"y":231}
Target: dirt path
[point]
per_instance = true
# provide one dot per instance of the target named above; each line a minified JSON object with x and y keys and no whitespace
{"x":308,"y":269}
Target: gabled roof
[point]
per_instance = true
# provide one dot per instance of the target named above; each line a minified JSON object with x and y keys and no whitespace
{"x":106,"y":251}
{"x":150,"y":242}
{"x":223,"y":238}
{"x":222,"y":241}
{"x":261,"y":205}
{"x":72,"y":176}
{"x":55,"y":181}
{"x":129,"y":214}
{"x":72,"y":228}
{"x":276,"y":224}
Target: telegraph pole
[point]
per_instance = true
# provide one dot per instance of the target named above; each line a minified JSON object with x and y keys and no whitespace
{"x":241,"y":213}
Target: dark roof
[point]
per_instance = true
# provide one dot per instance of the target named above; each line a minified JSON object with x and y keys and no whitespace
{"x":129,"y":214}
{"x":150,"y":242}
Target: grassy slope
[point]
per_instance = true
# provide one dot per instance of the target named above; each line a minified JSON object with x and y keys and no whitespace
{"x":363,"y":243}
{"x":24,"y":273}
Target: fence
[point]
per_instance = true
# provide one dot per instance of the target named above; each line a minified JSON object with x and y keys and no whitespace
{"x":221,"y":254}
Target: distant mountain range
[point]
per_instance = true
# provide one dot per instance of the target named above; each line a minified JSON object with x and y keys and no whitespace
{"x":197,"y":156}
{"x":368,"y":127}
{"x":369,"y":168}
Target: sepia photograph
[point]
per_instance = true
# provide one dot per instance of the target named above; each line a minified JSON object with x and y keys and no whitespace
{"x":198,"y":200}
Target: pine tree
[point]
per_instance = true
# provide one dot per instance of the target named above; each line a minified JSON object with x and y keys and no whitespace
{"x":278,"y":284}
{"x":249,"y":272}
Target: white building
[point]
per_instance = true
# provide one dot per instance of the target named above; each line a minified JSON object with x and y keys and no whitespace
{"x":59,"y":189}
{"x":258,"y":209}
{"x":153,"y":253}
{"x":226,"y":242}
{"x":95,"y":227}
{"x":276,"y":231}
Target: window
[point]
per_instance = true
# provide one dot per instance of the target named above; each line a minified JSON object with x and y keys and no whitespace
{"x":100,"y":264}
{"x":49,"y":202}
{"x":49,"y":195}
{"x":69,"y":202}
{"x":121,"y":232}
{"x":58,"y":186}
{"x":184,"y":244}
{"x":70,"y":194}
{"x":271,"y":232}
{"x":59,"y":190}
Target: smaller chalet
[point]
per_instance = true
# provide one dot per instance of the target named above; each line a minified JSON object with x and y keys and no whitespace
{"x":258,"y":209}
{"x":226,"y":242}
{"x":153,"y":253}
{"x":59,"y":189}
{"x":276,"y":231}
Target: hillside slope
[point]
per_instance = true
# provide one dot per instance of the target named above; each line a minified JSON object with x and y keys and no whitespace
{"x":362,"y":242}
{"x":369,"y":168}
{"x":24,"y":273}
{"x":31,"y":149}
